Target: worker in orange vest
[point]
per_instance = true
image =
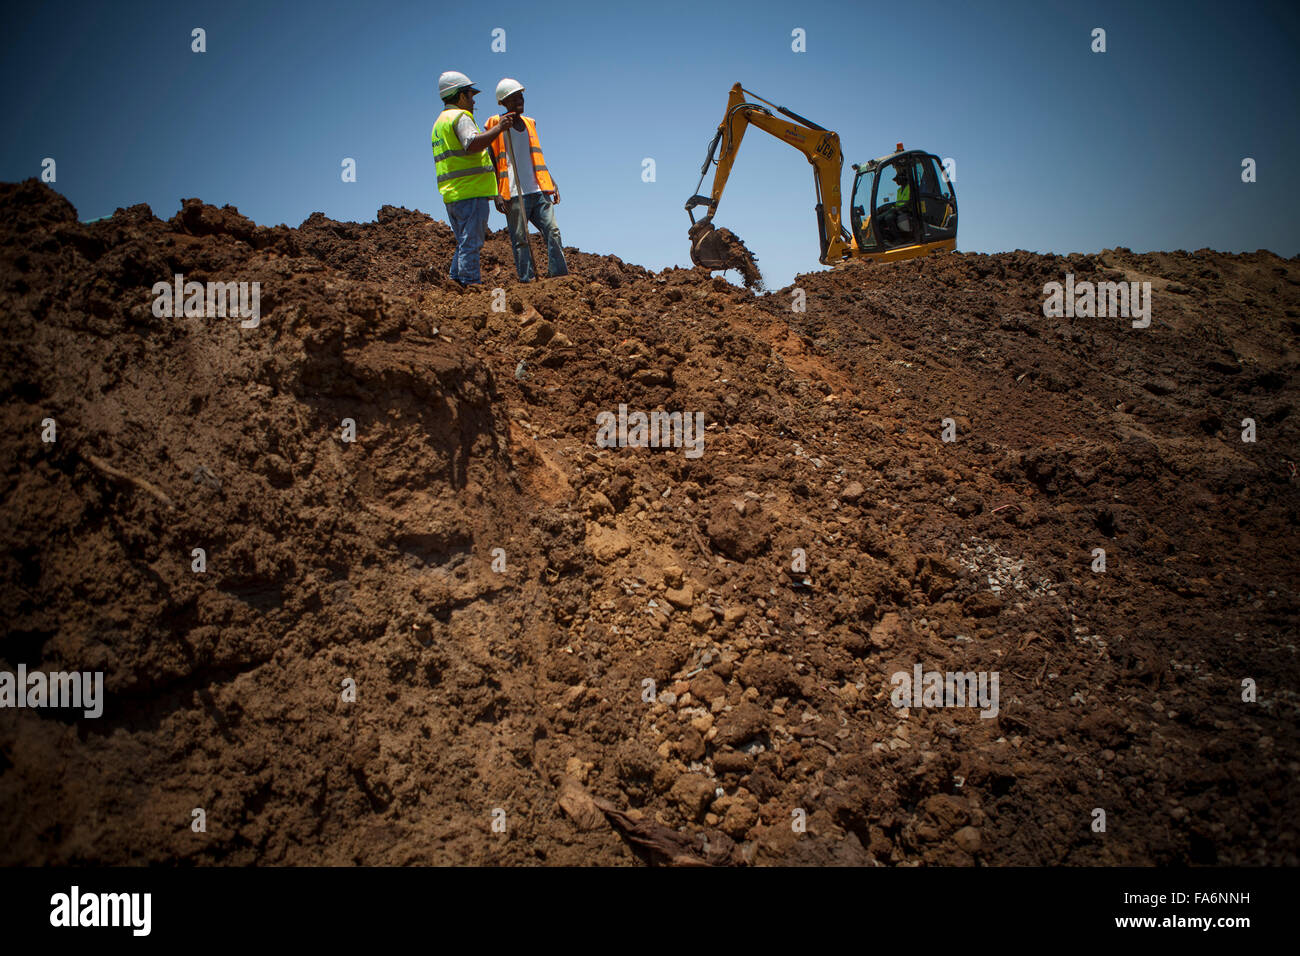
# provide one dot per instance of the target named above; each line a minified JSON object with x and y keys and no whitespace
{"x":525,"y":190}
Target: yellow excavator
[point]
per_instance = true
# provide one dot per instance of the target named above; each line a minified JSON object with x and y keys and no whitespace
{"x":903,"y":204}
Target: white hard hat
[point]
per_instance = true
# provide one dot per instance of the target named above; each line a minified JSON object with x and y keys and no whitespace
{"x":451,"y":81}
{"x":508,"y":87}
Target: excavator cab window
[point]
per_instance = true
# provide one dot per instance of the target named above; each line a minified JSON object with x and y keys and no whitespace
{"x":938,"y":205}
{"x":894,"y":218}
{"x":861,"y":221}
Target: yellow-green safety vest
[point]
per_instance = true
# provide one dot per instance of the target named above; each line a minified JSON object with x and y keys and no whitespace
{"x":461,"y":174}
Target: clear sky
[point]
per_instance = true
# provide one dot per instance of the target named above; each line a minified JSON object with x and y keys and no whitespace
{"x":1057,"y":148}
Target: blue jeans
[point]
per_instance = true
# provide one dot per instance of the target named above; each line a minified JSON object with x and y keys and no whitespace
{"x":468,"y":218}
{"x":538,"y":210}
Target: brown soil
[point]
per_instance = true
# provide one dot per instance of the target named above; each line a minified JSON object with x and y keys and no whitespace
{"x":522,"y":691}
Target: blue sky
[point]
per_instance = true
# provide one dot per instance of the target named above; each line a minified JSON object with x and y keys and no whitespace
{"x":1057,"y":148}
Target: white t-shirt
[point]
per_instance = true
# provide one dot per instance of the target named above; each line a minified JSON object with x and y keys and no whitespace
{"x":521,"y":152}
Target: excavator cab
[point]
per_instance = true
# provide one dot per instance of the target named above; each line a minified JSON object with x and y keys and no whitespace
{"x":903,"y":205}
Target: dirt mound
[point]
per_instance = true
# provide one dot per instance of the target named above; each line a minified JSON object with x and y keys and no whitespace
{"x":565,"y":652}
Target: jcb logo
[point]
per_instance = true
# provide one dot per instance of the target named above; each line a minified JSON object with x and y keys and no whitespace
{"x":827,"y":146}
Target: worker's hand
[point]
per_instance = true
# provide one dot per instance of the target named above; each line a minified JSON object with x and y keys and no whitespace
{"x":554,"y":197}
{"x":508,"y":120}
{"x":500,"y":204}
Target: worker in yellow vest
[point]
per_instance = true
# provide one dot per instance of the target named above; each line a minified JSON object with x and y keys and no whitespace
{"x":525,"y":190}
{"x":465,"y":176}
{"x":895,"y":218}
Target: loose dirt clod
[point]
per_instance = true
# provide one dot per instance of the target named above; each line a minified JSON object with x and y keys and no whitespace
{"x":715,"y":248}
{"x":407,"y":629}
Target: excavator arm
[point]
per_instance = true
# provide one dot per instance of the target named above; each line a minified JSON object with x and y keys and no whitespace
{"x":720,"y":249}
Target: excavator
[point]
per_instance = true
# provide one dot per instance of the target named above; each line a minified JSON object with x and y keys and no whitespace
{"x":902,"y":205}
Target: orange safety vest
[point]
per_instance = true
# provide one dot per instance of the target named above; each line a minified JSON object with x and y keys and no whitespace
{"x":499,"y":147}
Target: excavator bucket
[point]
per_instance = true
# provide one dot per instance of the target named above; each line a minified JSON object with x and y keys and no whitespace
{"x":715,"y":248}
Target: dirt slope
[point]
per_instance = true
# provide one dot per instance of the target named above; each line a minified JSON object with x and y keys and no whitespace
{"x":482,"y":690}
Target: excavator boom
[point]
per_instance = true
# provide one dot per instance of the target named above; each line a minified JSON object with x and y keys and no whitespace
{"x":721,"y":249}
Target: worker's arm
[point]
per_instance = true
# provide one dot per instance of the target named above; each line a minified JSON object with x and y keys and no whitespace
{"x":480,"y":142}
